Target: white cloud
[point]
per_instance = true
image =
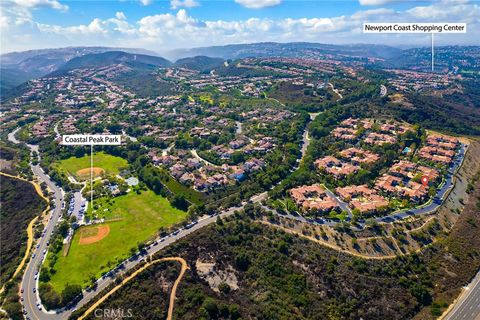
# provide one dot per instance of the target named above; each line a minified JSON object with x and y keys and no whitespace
{"x":54,"y":4}
{"x":373,"y":12}
{"x":146,"y":2}
{"x":258,"y":4}
{"x":375,"y":2}
{"x":166,"y":31}
{"x":120,"y":15}
{"x":175,"y":4}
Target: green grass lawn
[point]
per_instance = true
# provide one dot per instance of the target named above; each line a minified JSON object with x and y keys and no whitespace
{"x":111,"y":164}
{"x":142,"y":215}
{"x":176,"y":187}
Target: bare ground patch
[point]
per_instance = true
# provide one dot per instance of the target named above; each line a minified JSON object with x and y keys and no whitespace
{"x":91,"y":235}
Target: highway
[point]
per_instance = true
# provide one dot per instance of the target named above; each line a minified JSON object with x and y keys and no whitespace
{"x":467,"y":307}
{"x":31,"y":300}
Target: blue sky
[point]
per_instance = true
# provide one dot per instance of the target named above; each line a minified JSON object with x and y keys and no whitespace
{"x":168,"y":24}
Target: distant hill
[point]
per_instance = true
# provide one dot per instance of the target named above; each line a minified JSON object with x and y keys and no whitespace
{"x":115,"y":57}
{"x":18,"y":67}
{"x":200,"y":63}
{"x":293,"y":49}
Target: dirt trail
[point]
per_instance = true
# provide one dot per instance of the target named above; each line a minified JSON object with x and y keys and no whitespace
{"x":326,"y":244}
{"x":30,"y":225}
{"x":133,"y":275}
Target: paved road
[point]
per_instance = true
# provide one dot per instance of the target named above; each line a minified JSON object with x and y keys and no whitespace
{"x":335,"y":90}
{"x":195,"y":154}
{"x":439,"y":197}
{"x":342,"y":204}
{"x":131,"y":263}
{"x":31,"y":301}
{"x":467,"y":306}
{"x":435,"y":204}
{"x":383,"y":90}
{"x":29,"y":281}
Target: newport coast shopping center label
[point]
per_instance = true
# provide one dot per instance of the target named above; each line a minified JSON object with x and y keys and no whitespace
{"x":94,"y":140}
{"x":414,"y":27}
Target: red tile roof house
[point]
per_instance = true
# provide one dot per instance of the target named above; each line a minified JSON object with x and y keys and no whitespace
{"x":379,"y":138}
{"x":356,"y":123}
{"x":407,"y":169}
{"x":313,"y":199}
{"x":436,"y":154}
{"x":336,"y":167}
{"x":446,"y":142}
{"x":362,"y":198}
{"x":344,"y":133}
{"x":358,"y":156}
{"x":395,"y":185}
{"x":439,"y":148}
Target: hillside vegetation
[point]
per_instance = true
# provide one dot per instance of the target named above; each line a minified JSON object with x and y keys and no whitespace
{"x":20,"y":204}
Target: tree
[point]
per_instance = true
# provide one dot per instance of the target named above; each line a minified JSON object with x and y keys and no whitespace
{"x":242,"y":261}
{"x":70,"y":292}
{"x":50,"y":298}
{"x":210,"y":306}
{"x":283,"y":247}
{"x":224,"y":288}
{"x":179,"y":201}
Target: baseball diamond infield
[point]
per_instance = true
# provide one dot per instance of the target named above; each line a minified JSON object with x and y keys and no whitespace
{"x":94,"y":234}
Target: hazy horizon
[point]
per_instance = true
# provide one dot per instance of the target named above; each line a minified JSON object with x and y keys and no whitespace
{"x":162,"y":26}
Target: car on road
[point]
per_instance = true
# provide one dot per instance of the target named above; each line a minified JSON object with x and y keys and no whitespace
{"x":188,"y":226}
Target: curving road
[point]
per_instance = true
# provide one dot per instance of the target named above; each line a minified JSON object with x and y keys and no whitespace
{"x":33,"y":308}
{"x":467,"y":307}
{"x":439,"y":197}
{"x":418,"y":211}
{"x":31,"y":301}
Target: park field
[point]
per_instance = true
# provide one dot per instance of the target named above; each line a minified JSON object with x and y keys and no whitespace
{"x":103,"y":163}
{"x":136,"y":218}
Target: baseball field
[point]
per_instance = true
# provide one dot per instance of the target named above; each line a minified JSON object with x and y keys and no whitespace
{"x":103,"y":163}
{"x":94,"y":249}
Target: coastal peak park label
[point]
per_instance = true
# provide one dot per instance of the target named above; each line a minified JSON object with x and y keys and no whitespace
{"x":439,"y":28}
{"x":91,"y":140}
